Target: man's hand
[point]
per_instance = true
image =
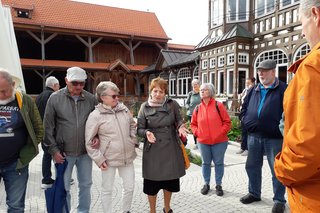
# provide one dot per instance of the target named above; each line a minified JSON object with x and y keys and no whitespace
{"x":103,"y":166}
{"x":95,"y":143}
{"x":59,"y":157}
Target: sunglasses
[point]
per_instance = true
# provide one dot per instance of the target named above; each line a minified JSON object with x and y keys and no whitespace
{"x":112,"y":96}
{"x":76,"y":83}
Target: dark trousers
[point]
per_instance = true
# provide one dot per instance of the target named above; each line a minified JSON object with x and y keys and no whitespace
{"x":244,"y":137}
{"x":46,"y":164}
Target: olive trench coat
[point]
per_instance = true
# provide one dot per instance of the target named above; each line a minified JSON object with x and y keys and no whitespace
{"x":162,"y":160}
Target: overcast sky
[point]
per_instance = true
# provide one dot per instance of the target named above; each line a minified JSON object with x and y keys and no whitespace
{"x":184,"y":21}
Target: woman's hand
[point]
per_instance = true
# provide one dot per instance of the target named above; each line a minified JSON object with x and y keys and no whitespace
{"x":103,"y":166}
{"x":183,"y":130}
{"x":150,"y":136}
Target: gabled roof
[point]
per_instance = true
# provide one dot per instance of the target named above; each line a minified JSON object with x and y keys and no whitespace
{"x":236,"y":31}
{"x":71,"y":15}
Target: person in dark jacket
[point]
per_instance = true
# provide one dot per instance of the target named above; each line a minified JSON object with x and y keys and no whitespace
{"x":159,"y":122}
{"x":21,"y":131}
{"x":52,"y":85}
{"x":260,"y":114}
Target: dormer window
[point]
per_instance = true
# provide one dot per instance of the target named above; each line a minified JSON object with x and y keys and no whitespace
{"x":23,"y":14}
{"x":23,"y":11}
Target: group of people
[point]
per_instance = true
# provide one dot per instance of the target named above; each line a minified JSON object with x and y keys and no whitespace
{"x":80,"y":128}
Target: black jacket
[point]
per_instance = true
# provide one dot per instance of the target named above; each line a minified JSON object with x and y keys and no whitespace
{"x":42,"y":100}
{"x":267,"y":124}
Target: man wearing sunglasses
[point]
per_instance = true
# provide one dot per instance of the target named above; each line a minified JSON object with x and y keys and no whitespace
{"x":65,"y":118}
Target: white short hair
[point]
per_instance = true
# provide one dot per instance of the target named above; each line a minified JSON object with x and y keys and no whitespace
{"x":51,"y":81}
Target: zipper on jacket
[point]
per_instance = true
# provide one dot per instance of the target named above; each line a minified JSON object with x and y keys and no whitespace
{"x":122,"y":138}
{"x":77,"y":123}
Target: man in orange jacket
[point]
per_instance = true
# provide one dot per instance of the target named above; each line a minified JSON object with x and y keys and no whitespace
{"x":298,"y":164}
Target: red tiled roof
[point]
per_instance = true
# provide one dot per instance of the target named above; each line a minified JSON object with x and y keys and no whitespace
{"x":90,"y":17}
{"x":37,"y":63}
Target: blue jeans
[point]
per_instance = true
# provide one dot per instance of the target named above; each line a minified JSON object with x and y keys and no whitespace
{"x":213,"y":153}
{"x":257,"y":146}
{"x":84,"y":176}
{"x":15,"y":183}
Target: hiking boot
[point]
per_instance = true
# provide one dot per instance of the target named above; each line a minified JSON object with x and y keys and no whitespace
{"x":249,"y":198}
{"x":205,"y":189}
{"x":278,"y":208}
{"x":219,"y":190}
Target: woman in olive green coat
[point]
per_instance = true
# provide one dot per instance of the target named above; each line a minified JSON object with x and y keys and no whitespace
{"x":160,"y":122}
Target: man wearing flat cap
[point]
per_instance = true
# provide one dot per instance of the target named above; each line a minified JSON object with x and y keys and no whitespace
{"x":261,"y":112}
{"x":65,"y":117}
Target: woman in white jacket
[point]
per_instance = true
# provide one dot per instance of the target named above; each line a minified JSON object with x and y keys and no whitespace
{"x":113,"y":124}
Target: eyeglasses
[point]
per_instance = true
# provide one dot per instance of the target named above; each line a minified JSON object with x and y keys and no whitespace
{"x":112,"y":96}
{"x":76,"y":83}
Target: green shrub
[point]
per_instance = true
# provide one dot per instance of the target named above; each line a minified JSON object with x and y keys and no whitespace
{"x":195,"y":159}
{"x":235,"y":133}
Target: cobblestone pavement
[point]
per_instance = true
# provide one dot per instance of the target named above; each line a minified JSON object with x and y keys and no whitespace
{"x":189,"y":199}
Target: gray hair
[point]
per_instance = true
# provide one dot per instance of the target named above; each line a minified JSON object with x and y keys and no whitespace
{"x":51,"y":81}
{"x":305,"y":6}
{"x":211,"y":89}
{"x":195,"y":81}
{"x":6,"y":75}
{"x":103,"y":86}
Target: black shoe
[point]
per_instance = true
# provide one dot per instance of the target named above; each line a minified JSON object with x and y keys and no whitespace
{"x":249,"y":198}
{"x":278,"y":208}
{"x":205,"y":189}
{"x":219,"y":190}
{"x":170,"y":211}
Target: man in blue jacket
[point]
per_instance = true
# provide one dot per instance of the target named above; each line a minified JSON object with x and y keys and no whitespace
{"x":260,"y":114}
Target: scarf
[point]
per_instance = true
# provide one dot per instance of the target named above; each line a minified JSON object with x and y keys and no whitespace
{"x":153,"y":103}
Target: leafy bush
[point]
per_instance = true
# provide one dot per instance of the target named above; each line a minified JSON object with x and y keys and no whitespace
{"x":235,"y":133}
{"x":195,"y":159}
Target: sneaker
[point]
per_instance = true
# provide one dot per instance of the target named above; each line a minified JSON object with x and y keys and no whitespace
{"x":47,"y":184}
{"x":205,"y":189}
{"x":249,"y":198}
{"x":219,"y":190}
{"x":240,"y":151}
{"x":278,"y":208}
{"x":244,"y":153}
{"x":71,"y":181}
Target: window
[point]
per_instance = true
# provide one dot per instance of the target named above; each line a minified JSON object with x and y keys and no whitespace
{"x":204,"y":77}
{"x":230,"y":82}
{"x":264,"y":7}
{"x":204,"y":64}
{"x":184,"y":80}
{"x":212,"y":78}
{"x":242,"y":76}
{"x":221,"y":61}
{"x":196,"y":72}
{"x":172,"y":84}
{"x":243,"y":58}
{"x":212,"y":62}
{"x":237,"y":10}
{"x":302,"y":51}
{"x":220,"y":82}
{"x":285,"y":3}
{"x":216,"y":14}
{"x":230,"y":58}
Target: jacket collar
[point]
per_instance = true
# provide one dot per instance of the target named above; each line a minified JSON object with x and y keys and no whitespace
{"x":294,"y":67}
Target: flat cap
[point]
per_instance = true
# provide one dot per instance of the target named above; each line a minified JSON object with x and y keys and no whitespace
{"x":76,"y":74}
{"x":267,"y":65}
